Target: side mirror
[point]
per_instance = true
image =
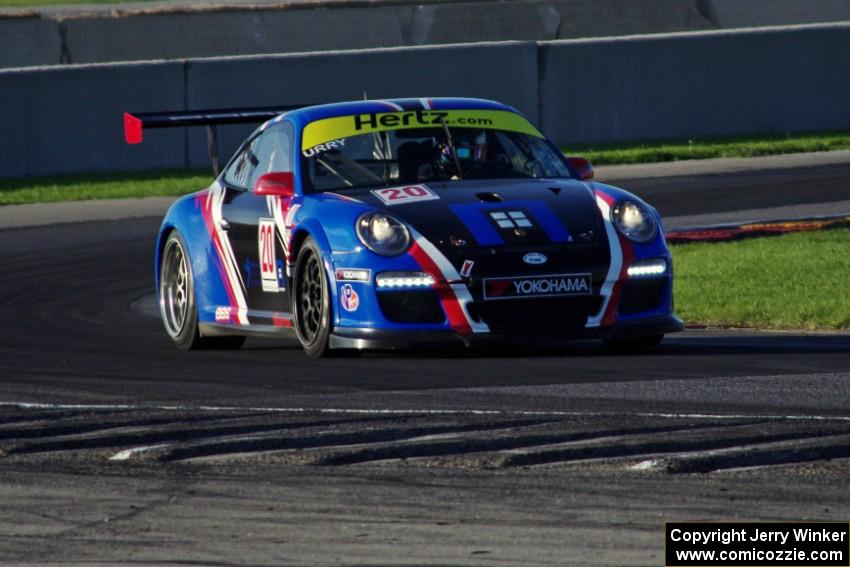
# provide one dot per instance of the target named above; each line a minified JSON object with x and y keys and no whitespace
{"x":277,"y":184}
{"x":582,"y":166}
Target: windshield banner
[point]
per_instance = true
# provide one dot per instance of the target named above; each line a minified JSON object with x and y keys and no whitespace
{"x":334,"y":129}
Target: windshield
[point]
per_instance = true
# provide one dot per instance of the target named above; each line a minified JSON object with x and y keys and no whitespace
{"x":414,"y":155}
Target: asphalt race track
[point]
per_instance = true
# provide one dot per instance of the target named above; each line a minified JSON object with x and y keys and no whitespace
{"x":116,"y":447}
{"x":722,"y":192}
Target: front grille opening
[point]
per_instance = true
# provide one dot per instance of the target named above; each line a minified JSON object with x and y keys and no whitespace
{"x":417,"y":306}
{"x":540,"y":315}
{"x":642,"y":295}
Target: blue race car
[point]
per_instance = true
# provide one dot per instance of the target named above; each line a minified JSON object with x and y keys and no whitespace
{"x":391,"y":223}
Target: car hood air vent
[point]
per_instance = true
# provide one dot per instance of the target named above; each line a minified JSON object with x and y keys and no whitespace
{"x":489,"y":197}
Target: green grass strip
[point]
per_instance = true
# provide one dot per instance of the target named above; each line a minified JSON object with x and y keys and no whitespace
{"x":101,"y":186}
{"x":675,"y":150}
{"x":794,"y":281}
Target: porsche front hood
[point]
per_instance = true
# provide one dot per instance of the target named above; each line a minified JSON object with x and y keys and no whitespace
{"x":495,"y":223}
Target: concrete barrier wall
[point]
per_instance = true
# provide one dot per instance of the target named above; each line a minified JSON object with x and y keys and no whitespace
{"x":68,"y":118}
{"x":700,"y":84}
{"x":28,"y":41}
{"x":101,"y":34}
{"x":95,"y":35}
{"x":234,"y":32}
{"x":749,"y":13}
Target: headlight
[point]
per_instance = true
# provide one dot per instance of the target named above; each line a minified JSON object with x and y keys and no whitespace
{"x":634,"y":221}
{"x":383,"y":234}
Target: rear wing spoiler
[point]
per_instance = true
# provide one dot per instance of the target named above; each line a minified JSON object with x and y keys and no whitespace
{"x":136,"y":122}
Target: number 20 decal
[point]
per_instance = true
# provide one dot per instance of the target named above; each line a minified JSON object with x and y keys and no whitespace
{"x":402,"y":195}
{"x":268,"y":262}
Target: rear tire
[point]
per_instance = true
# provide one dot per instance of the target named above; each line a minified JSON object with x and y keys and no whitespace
{"x":177,"y":300}
{"x":634,"y":345}
{"x":311,"y":300}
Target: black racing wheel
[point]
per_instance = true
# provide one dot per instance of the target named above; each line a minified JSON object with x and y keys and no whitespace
{"x":311,"y":300}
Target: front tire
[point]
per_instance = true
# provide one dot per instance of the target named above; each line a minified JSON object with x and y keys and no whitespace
{"x":177,"y":300}
{"x":311,"y":300}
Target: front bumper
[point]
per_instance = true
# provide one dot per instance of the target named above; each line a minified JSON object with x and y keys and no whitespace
{"x":366,"y":339}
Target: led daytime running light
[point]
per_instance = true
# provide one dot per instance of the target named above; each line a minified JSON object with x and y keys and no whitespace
{"x":395,"y":280}
{"x":648,"y":269}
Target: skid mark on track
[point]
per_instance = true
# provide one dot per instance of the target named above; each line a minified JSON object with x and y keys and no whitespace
{"x":127,"y":453}
{"x":521,"y":442}
{"x":654,"y":447}
{"x":820,"y":449}
{"x":417,"y":411}
{"x":640,"y":443}
{"x":334,"y":439}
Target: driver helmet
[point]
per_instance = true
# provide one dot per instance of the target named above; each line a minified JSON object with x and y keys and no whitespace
{"x":470,"y":146}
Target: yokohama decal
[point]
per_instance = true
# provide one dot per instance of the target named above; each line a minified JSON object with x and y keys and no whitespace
{"x":454,"y":297}
{"x":224,"y":260}
{"x":537,"y":286}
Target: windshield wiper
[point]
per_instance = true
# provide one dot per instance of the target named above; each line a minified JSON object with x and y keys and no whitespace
{"x":451,"y":144}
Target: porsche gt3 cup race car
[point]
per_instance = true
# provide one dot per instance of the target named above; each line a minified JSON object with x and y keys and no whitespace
{"x":391,"y":223}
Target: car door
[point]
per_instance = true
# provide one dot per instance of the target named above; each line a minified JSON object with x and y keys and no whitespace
{"x":255,"y":223}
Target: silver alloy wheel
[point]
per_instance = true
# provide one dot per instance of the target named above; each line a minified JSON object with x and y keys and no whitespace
{"x":174,"y":288}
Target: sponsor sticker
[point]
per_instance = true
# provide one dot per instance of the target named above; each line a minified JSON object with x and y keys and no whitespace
{"x":353,"y":274}
{"x":339,"y":127}
{"x":322,"y":148}
{"x":534,"y":258}
{"x":268,"y":260}
{"x":222,"y":314}
{"x":466,"y":269}
{"x":403,"y":195}
{"x":511,"y":219}
{"x":537,"y":286}
{"x":348,"y":298}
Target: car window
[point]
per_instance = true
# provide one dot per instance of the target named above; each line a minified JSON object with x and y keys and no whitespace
{"x":425,"y":154}
{"x":241,"y":167}
{"x":272,"y":151}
